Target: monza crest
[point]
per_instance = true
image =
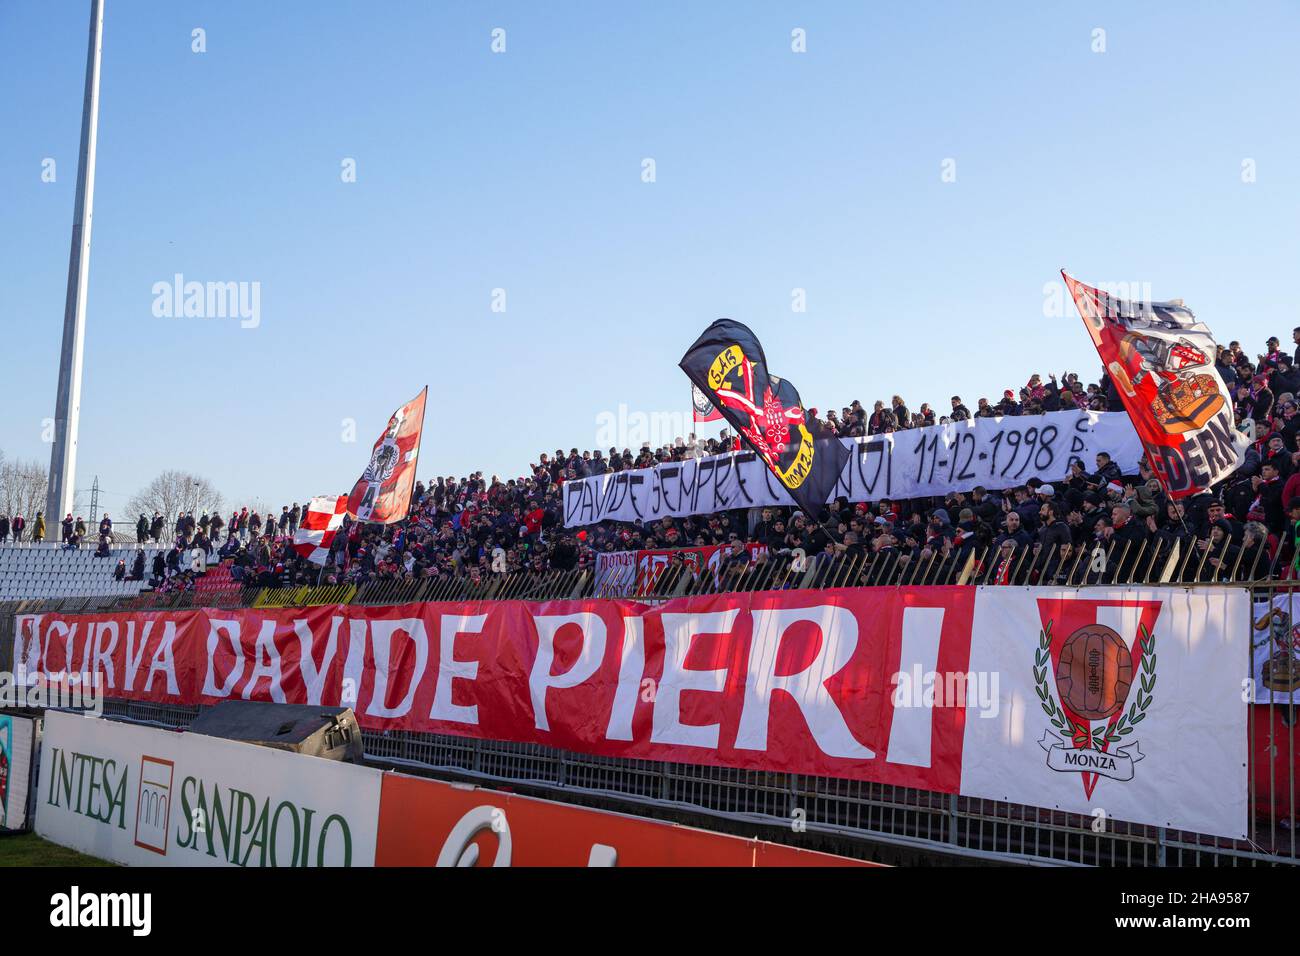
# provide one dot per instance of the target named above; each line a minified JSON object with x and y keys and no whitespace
{"x":1095,"y":686}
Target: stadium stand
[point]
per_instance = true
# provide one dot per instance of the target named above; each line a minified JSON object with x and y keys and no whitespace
{"x":480,"y":528}
{"x":483,"y":538}
{"x":52,"y":571}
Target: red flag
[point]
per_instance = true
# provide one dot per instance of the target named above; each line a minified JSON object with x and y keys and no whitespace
{"x":320,"y":523}
{"x":383,"y":493}
{"x":1162,"y":362}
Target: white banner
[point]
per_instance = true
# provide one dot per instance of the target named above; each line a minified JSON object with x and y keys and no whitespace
{"x":1121,"y":704}
{"x":150,"y":797}
{"x":615,"y":573}
{"x":17,"y":738}
{"x":1275,"y":650}
{"x":996,"y":453}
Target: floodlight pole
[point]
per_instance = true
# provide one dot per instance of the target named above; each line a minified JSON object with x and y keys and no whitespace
{"x":67,"y":411}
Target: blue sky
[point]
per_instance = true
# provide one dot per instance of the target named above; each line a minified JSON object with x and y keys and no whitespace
{"x":522,"y":171}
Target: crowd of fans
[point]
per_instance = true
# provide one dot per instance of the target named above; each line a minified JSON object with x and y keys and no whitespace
{"x":1247,"y":526}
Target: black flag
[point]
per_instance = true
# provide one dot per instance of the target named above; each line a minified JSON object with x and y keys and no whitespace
{"x":728,"y":365}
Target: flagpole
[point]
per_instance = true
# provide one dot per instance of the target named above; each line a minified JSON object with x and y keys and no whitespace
{"x":415,"y":465}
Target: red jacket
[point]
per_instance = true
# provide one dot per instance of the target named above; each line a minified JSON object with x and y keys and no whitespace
{"x":1290,"y":490}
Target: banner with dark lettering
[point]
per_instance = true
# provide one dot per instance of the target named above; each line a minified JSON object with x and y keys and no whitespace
{"x":1041,"y":696}
{"x":727,"y":364}
{"x":144,"y":796}
{"x":615,"y":574}
{"x":995,"y":453}
{"x":1161,"y":361}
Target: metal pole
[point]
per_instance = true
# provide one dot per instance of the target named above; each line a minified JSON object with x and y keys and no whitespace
{"x":63,"y":455}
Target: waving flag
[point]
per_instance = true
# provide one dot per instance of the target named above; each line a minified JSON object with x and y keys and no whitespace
{"x":704,"y":409}
{"x":1162,"y":361}
{"x":383,"y":493}
{"x":320,"y":523}
{"x":728,"y":365}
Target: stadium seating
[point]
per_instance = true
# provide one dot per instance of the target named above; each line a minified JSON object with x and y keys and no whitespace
{"x":50,"y":571}
{"x":217,"y":580}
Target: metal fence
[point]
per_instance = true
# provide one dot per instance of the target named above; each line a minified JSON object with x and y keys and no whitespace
{"x":854,"y":817}
{"x":1154,"y":561}
{"x":847,"y":814}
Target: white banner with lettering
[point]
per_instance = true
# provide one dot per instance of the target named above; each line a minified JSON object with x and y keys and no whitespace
{"x":615,"y":573}
{"x":993,"y":452}
{"x":149,"y":797}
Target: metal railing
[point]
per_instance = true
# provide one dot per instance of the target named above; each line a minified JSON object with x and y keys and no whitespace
{"x":1153,"y":561}
{"x":850,"y":814}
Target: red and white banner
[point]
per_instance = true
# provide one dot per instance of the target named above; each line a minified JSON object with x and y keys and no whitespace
{"x":320,"y":522}
{"x":1162,"y":362}
{"x":953,"y":689}
{"x":637,"y":573}
{"x":651,"y":564}
{"x":383,"y":492}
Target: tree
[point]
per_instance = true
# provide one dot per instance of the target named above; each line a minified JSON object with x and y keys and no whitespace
{"x":23,"y":486}
{"x":171,"y":493}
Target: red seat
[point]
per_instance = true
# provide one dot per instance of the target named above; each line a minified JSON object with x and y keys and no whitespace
{"x":217,"y":578}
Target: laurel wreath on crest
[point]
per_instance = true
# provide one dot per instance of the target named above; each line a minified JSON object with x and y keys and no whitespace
{"x":1079,"y":732}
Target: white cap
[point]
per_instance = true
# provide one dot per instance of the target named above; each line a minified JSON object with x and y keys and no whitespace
{"x":1046,"y":490}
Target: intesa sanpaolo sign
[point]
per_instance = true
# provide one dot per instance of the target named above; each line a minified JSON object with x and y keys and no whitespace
{"x":142,"y":796}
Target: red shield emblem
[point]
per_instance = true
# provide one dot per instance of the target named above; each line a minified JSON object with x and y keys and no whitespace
{"x":1095,"y":674}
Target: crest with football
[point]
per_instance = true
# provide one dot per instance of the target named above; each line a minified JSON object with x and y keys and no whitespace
{"x":1094,"y":672}
{"x":1103,"y":686}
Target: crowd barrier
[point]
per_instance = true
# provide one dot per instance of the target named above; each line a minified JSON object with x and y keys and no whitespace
{"x":853,"y":810}
{"x":1153,"y":561}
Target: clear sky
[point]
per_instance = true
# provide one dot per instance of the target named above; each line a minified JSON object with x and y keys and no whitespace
{"x":523,"y":171}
